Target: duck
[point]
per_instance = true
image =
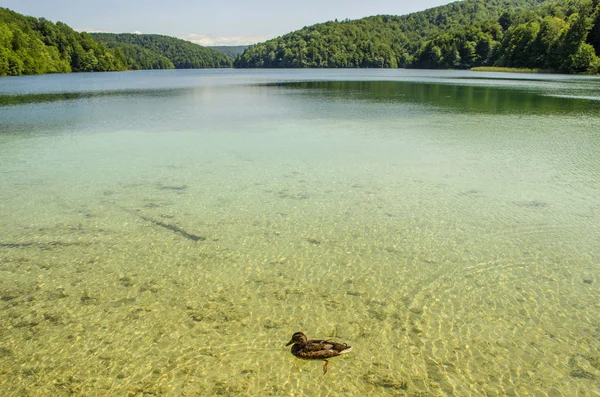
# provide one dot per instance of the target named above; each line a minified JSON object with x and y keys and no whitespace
{"x":315,"y":349}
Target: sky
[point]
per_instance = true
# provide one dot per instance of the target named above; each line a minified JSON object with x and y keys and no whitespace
{"x":214,"y":22}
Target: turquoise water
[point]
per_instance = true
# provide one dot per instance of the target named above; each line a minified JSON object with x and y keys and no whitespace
{"x":165,"y":233}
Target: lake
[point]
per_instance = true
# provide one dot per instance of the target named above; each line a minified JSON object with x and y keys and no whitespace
{"x":166,"y":232}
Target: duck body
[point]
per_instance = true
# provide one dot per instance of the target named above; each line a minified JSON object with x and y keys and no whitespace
{"x":316,"y":349}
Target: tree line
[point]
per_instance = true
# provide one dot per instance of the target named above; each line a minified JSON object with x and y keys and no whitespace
{"x":182,"y":54}
{"x":562,"y":37}
{"x":34,"y":46}
{"x":553,"y":35}
{"x":31,"y":45}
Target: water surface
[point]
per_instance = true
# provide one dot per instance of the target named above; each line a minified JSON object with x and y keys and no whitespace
{"x":165,"y":233}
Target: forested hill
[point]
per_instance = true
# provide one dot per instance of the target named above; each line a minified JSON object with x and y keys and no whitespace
{"x":560,"y":35}
{"x":183,"y":54}
{"x":30,"y":45}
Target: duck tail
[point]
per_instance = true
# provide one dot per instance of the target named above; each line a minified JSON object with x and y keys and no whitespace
{"x":346,"y":350}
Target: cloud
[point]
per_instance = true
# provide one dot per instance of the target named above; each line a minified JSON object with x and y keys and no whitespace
{"x":91,"y":30}
{"x":208,"y":40}
{"x":101,"y":31}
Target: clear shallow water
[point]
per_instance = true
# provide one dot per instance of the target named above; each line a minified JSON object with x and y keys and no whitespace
{"x":166,"y":232}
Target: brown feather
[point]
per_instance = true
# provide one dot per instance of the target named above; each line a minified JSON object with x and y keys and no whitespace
{"x":316,"y":349}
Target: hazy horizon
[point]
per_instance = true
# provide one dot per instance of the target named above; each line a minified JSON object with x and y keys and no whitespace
{"x":230,"y":22}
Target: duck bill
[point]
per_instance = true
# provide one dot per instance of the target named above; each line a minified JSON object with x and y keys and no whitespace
{"x":290,"y":342}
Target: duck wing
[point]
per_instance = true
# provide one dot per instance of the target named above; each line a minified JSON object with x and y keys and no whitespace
{"x":331,"y":347}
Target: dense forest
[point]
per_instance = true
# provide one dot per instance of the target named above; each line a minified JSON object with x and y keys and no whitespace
{"x":183,"y":54}
{"x":137,"y":57}
{"x":34,"y":46}
{"x":31,"y":45}
{"x":553,"y":35}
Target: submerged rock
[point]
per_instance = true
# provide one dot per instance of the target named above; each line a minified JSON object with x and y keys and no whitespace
{"x":582,"y":368}
{"x":385,"y":380}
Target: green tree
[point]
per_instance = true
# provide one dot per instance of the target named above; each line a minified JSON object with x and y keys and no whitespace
{"x":564,"y":51}
{"x":518,"y":45}
{"x":594,"y":35}
{"x":584,"y":60}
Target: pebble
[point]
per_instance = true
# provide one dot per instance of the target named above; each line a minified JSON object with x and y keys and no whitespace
{"x":415,"y":309}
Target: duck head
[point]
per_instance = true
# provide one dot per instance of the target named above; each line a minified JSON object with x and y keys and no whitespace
{"x":298,"y":338}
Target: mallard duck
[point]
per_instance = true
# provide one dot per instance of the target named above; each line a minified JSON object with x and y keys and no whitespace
{"x":316,"y":349}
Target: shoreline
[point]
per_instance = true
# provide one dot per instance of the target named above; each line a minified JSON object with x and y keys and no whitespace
{"x":500,"y":69}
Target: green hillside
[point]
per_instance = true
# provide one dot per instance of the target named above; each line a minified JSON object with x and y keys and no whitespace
{"x":561,"y":36}
{"x":553,"y":35}
{"x":458,"y":35}
{"x":140,"y":58}
{"x":30,"y":45}
{"x":183,"y":54}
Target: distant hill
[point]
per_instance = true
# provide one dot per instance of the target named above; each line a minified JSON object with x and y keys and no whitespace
{"x":229,"y":51}
{"x":181,"y":53}
{"x":554,"y":34}
{"x":140,"y":58}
